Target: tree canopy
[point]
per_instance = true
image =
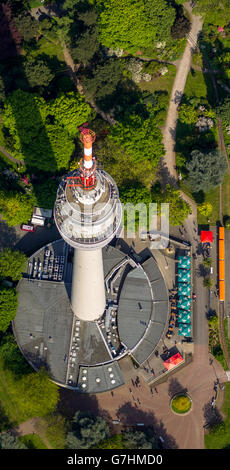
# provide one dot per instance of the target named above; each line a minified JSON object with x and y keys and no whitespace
{"x":121,"y":167}
{"x":12,"y":357}
{"x":223,"y":111}
{"x":38,"y":73}
{"x":205,"y":170}
{"x":179,"y":209}
{"x":43,"y":144}
{"x":134,"y":24}
{"x":16,"y":208}
{"x":36,"y":394}
{"x":103,"y":81}
{"x":216,"y":12}
{"x":70,"y":111}
{"x":139,"y":440}
{"x":27,"y":26}
{"x":8,"y":307}
{"x":87,"y":431}
{"x":140,"y":138}
{"x":8,"y":441}
{"x":12,"y":264}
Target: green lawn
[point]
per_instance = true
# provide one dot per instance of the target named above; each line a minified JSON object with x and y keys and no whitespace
{"x":50,"y":49}
{"x":35,"y":3}
{"x":212,"y":196}
{"x":196,"y":85}
{"x":33,"y":441}
{"x":162,"y":83}
{"x":220,"y":437}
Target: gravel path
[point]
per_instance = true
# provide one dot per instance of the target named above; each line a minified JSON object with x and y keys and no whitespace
{"x":169,"y":173}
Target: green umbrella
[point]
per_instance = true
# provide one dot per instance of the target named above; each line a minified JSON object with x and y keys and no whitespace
{"x":184,"y":317}
{"x":184,"y":262}
{"x":184,"y":330}
{"x":184,"y":303}
{"x":184,"y":290}
{"x":184,"y":275}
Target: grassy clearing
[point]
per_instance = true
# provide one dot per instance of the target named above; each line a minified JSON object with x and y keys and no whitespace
{"x":35,"y":3}
{"x":196,"y":85}
{"x":52,"y":50}
{"x":213,"y":197}
{"x":219,"y":438}
{"x":161,"y":83}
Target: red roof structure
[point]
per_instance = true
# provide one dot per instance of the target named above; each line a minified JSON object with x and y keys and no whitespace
{"x":206,"y":236}
{"x":173,"y":361}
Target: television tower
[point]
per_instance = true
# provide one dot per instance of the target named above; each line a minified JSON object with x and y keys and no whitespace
{"x":88,"y":215}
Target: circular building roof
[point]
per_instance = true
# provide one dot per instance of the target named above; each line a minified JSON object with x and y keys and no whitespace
{"x":85,"y":355}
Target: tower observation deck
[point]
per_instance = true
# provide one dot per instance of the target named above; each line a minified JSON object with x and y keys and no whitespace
{"x":88,"y":215}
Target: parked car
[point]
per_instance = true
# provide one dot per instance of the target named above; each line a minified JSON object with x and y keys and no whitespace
{"x":28,"y":227}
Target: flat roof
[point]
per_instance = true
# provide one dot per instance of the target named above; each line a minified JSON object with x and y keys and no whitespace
{"x":49,"y":334}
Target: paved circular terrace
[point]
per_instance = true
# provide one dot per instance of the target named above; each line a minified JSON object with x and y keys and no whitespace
{"x":83,"y":355}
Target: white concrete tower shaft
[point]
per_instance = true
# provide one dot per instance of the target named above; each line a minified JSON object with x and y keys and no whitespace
{"x":88,"y":291}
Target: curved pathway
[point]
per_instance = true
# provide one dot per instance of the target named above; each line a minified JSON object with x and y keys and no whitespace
{"x":169,"y":130}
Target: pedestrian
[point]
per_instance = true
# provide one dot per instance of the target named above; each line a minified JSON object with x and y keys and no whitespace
{"x":155,"y":389}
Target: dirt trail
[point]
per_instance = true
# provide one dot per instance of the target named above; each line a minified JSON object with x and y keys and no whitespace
{"x":169,"y":130}
{"x":32,"y":426}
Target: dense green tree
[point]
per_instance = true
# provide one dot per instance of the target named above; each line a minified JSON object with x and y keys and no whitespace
{"x":38,"y":73}
{"x":113,"y":442}
{"x":140,"y":138}
{"x":135,"y":194}
{"x":70,"y":111}
{"x":223,"y":111}
{"x":70,"y":4}
{"x":45,"y":193}
{"x":134,"y":24}
{"x":12,"y":264}
{"x":42,"y":144}
{"x":36,"y":394}
{"x":12,"y":357}
{"x":180,"y":27}
{"x":121,"y":166}
{"x":86,"y":46}
{"x":87,"y":431}
{"x":179,"y":209}
{"x":27,"y":26}
{"x":8,"y":441}
{"x":2,"y":91}
{"x":205,"y":170}
{"x":138,"y":440}
{"x":188,"y":114}
{"x":103,"y":81}
{"x":16,"y":208}
{"x":216,"y":12}
{"x":8,"y":307}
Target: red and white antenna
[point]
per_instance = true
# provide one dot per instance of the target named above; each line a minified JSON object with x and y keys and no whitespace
{"x":87,"y":138}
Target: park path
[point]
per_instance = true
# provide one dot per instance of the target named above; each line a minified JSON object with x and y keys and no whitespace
{"x":32,"y":426}
{"x":169,"y":173}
